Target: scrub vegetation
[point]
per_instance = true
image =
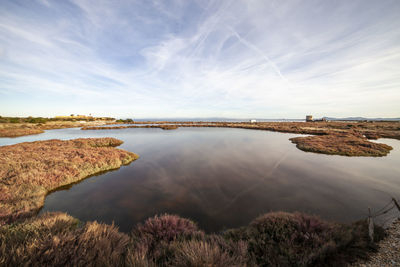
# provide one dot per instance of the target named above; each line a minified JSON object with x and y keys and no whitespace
{"x":346,"y":144}
{"x":28,"y":171}
{"x":274,"y":239}
{"x":15,"y":132}
{"x":161,"y":126}
{"x":15,"y":126}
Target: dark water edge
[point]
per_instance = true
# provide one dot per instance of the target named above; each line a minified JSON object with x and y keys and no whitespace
{"x":224,"y":178}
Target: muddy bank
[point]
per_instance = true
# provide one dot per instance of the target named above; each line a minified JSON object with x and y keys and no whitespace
{"x":28,"y":171}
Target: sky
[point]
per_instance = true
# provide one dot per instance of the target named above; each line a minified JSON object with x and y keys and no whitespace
{"x":201,"y":58}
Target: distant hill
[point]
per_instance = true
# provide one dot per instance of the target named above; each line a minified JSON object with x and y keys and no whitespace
{"x":361,"y":119}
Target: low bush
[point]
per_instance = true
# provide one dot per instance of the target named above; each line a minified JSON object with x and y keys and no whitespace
{"x":295,"y":239}
{"x":57,"y":239}
{"x":154,"y":237}
{"x":274,"y":239}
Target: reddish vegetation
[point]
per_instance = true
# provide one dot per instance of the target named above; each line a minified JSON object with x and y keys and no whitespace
{"x":28,"y":171}
{"x":21,"y":129}
{"x":164,"y":127}
{"x":19,"y":132}
{"x":338,"y":138}
{"x":274,"y":239}
{"x":346,"y":144}
{"x":56,"y":239}
{"x":169,"y":127}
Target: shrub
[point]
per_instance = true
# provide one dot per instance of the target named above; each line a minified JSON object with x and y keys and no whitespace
{"x":55,"y":239}
{"x":295,"y":239}
{"x":155,"y":236}
{"x":203,"y":253}
{"x":14,"y":120}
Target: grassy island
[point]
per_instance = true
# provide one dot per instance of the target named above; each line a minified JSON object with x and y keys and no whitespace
{"x":28,"y":171}
{"x":346,"y":144}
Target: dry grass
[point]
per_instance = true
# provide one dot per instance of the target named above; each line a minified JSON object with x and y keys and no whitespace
{"x":21,"y":129}
{"x":164,"y":127}
{"x":347,"y":144}
{"x":274,"y":239}
{"x":15,"y":132}
{"x":56,"y":239}
{"x":169,"y":127}
{"x":28,"y":171}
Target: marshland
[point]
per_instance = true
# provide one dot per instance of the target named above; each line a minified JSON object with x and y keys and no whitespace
{"x":205,"y":133}
{"x":214,"y":179}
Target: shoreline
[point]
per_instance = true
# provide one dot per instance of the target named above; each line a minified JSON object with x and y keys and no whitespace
{"x":30,"y":170}
{"x":60,"y":233}
{"x":388,"y":253}
{"x":331,"y":138}
{"x":24,"y":129}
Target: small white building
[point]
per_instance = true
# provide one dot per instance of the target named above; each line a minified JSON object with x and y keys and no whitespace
{"x":253,"y":121}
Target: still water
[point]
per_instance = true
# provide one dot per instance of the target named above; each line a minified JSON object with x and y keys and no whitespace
{"x":223,"y":178}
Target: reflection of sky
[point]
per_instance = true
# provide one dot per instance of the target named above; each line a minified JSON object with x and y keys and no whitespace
{"x":224,"y":178}
{"x":242,"y":58}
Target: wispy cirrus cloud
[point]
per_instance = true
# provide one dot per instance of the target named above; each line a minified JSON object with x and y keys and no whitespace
{"x":200,"y":58}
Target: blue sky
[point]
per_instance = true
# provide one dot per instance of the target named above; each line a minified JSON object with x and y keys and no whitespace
{"x":243,"y":59}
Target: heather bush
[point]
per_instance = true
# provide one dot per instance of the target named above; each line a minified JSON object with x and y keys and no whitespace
{"x":204,"y":253}
{"x":274,"y":239}
{"x":295,"y":239}
{"x":56,"y":239}
{"x":155,"y":236}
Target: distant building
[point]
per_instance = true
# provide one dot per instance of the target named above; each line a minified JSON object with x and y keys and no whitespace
{"x":309,"y":118}
{"x":253,"y":121}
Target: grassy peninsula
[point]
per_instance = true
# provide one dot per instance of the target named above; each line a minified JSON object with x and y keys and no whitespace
{"x":16,"y":126}
{"x":28,"y":171}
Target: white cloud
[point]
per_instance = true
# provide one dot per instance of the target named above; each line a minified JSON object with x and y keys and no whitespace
{"x":236,"y":58}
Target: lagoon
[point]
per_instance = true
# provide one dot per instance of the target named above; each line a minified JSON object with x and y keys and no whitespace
{"x":223,"y":178}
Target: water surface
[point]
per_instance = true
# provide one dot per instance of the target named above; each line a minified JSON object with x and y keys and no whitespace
{"x":223,"y":178}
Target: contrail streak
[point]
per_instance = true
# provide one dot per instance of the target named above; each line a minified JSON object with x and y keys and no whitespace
{"x":251,"y":188}
{"x":261,"y":53}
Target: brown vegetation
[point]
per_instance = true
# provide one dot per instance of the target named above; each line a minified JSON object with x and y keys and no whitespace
{"x":169,"y":127}
{"x":28,"y":171}
{"x":346,"y":144}
{"x":336,"y":138}
{"x":26,"y":128}
{"x":56,"y":239}
{"x":15,"y":132}
{"x":274,"y":239}
{"x":164,"y":127}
